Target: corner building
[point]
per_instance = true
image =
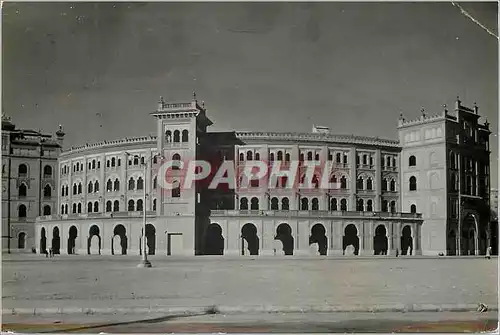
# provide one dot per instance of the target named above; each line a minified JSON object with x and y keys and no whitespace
{"x":102,"y":189}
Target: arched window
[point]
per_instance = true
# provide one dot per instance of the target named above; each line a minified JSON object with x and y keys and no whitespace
{"x":96,"y":186}
{"x":79,"y":208}
{"x":74,"y":209}
{"x":343,"y":182}
{"x":413,"y":208}
{"x":176,"y":164}
{"x":79,"y":188}
{"x":74,"y":189}
{"x":47,"y":191}
{"x":385,"y":206}
{"x":242,"y":157}
{"x":393,"y":206}
{"x":254,"y":204}
{"x":21,"y":211}
{"x":338,"y":158}
{"x":360,"y":205}
{"x":93,"y":164}
{"x":131,"y":205}
{"x":309,"y":156}
{"x":62,"y":191}
{"x":274,"y":204}
{"x":154,"y":204}
{"x":257,"y":156}
{"x":185,"y":135}
{"x":46,"y":210}
{"x":333,"y":204}
{"x":388,"y":161}
{"x":90,"y":166}
{"x":108,"y":206}
{"x":89,"y":207}
{"x":369,"y":184}
{"x":109,"y":185}
{"x":315,"y":204}
{"x":315,"y":181}
{"x":108,"y":163}
{"x":90,"y":187}
{"x":168,"y":136}
{"x":343,"y":205}
{"x":66,"y":209}
{"x":393,"y":185}
{"x":23,"y":190}
{"x":62,"y":209}
{"x":113,"y":162}
{"x":140,"y":183}
{"x":116,"y":185}
{"x":139,"y":206}
{"x":116,"y":206}
{"x":131,"y":184}
{"x":333,"y":179}
{"x":243,"y":204}
{"x":176,"y":192}
{"x":47,"y":171}
{"x":22,"y":170}
{"x":177,"y":136}
{"x":316,"y":157}
{"x":359,"y":184}
{"x":301,"y":157}
{"x":304,"y":204}
{"x":369,"y":206}
{"x":96,"y":206}
{"x":285,"y":204}
{"x":413,"y":183}
{"x":384,"y":184}
{"x":364,"y":160}
{"x":280,"y":155}
{"x":136,"y":160}
{"x":412,"y":161}
{"x":155,"y":182}
{"x":287,"y":157}
{"x":249,"y":155}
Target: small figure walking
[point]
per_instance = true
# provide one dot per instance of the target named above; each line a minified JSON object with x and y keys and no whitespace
{"x":488,"y":252}
{"x":397,"y":252}
{"x":46,"y":253}
{"x":51,"y":252}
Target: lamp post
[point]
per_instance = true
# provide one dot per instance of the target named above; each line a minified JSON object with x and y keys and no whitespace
{"x":145,"y":263}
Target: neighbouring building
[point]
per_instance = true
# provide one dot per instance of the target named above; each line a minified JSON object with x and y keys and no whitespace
{"x":423,"y":194}
{"x":29,"y":180}
{"x":494,"y":220}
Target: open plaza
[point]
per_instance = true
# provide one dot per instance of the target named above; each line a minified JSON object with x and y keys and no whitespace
{"x":33,"y":284}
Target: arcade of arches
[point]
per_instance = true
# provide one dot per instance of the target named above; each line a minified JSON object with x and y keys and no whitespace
{"x":316,"y":238}
{"x":470,"y":239}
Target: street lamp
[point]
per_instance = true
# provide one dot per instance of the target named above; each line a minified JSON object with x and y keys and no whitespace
{"x":145,"y":263}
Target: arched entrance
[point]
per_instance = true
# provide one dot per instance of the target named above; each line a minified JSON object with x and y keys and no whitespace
{"x":318,"y":235}
{"x":350,"y":239}
{"x":94,"y":241}
{"x":249,"y":239}
{"x":43,"y":241}
{"x":469,"y":235}
{"x":73,"y":233}
{"x":56,"y":241}
{"x":119,"y":241}
{"x":214,"y":241}
{"x":284,"y":234}
{"x":406,"y":241}
{"x":380,"y":244}
{"x":150,"y":239}
{"x":21,"y":240}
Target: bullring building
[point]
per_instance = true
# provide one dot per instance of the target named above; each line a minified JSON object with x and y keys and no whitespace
{"x":425,"y":193}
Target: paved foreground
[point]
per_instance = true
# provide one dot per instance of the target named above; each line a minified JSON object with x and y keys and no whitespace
{"x":259,"y":323}
{"x":100,"y":284}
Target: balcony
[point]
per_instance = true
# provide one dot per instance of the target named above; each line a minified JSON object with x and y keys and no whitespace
{"x":84,"y":216}
{"x":322,"y":214}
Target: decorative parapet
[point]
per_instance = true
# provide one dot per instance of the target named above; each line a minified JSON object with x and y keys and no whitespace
{"x":318,"y":137}
{"x":105,"y":144}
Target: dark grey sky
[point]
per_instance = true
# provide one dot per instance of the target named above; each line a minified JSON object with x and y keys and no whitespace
{"x":257,"y":66}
